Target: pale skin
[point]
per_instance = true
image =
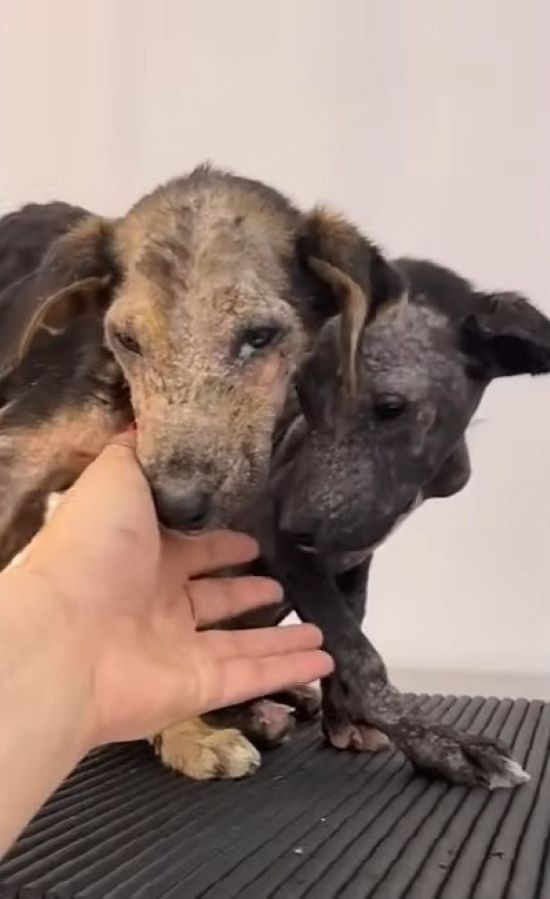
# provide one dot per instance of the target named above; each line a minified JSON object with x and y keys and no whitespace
{"x":99,"y":639}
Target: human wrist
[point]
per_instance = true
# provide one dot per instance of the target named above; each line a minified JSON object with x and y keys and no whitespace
{"x":41,"y":639}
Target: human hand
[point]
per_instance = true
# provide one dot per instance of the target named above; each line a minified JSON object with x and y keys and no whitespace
{"x":128,"y":593}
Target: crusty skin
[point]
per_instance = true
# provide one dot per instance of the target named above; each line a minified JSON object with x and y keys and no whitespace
{"x":344,"y":475}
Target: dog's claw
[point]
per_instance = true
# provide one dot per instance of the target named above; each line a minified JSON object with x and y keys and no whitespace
{"x":271,"y":723}
{"x":305,"y":699}
{"x":513,"y":775}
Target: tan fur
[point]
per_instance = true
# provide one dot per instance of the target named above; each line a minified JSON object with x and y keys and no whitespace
{"x":202,"y":752}
{"x":44,"y":459}
{"x":354,"y":313}
{"x":337,"y":239}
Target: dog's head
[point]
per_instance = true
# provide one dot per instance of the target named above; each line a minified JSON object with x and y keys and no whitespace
{"x":210,"y":289}
{"x":347,"y":471}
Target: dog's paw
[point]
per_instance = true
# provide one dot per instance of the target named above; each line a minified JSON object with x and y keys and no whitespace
{"x":356,"y":737}
{"x":305,"y":699}
{"x":270,"y":723}
{"x":263,"y":721}
{"x":461,"y":758}
{"x":204,"y":753}
{"x":507,"y":775}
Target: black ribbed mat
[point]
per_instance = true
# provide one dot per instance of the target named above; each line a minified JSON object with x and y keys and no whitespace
{"x":313,"y":823}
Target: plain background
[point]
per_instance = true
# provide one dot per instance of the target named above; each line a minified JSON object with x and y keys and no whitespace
{"x":428,"y":123}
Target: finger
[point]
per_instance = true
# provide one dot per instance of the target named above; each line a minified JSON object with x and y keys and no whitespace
{"x":193,"y":556}
{"x":217,"y":599}
{"x":263,"y":641}
{"x":244,"y":679}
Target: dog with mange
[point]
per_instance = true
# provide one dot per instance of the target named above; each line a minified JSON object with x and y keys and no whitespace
{"x":189,"y":315}
{"x":324,"y":570}
{"x":347,"y":472}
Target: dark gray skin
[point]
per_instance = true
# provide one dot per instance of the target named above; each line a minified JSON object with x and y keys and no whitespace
{"x":345,"y":473}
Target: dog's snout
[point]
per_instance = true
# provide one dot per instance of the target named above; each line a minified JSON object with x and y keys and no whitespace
{"x":187,"y":509}
{"x":296,"y":526}
{"x":304,"y":540}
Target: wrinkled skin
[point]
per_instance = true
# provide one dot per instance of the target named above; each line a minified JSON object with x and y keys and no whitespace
{"x":345,"y":474}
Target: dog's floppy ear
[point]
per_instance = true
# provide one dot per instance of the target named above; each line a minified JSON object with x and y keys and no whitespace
{"x":507,"y":335}
{"x":75,"y":276}
{"x":357,"y":281}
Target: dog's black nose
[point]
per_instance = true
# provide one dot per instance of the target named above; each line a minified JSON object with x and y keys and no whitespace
{"x":185,"y":510}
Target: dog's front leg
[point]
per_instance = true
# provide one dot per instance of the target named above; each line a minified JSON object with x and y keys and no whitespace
{"x":362,"y":689}
{"x":339,"y":728}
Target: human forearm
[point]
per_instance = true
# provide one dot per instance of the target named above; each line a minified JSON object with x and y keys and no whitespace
{"x":45,"y":692}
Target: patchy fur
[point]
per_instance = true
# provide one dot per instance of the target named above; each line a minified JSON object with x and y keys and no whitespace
{"x":343,"y":478}
{"x":344,"y":475}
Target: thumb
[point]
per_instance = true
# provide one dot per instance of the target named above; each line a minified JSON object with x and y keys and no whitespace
{"x":110,"y":500}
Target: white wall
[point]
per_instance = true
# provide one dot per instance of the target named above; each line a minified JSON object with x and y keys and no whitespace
{"x":427,"y":122}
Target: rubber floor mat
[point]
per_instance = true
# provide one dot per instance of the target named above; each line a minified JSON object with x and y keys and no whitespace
{"x":314,"y":822}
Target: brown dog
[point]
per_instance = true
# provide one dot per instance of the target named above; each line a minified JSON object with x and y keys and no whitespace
{"x":205,"y":296}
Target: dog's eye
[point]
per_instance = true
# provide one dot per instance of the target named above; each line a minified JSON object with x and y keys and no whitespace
{"x":127,"y":342}
{"x":255,"y":339}
{"x":389,"y":406}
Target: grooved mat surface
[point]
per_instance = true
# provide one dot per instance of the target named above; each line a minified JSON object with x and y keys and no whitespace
{"x":313,"y":823}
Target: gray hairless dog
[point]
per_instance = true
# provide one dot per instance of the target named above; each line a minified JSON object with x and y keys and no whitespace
{"x":346,"y":472}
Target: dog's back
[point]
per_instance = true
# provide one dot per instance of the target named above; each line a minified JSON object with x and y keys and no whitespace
{"x":54,"y":402}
